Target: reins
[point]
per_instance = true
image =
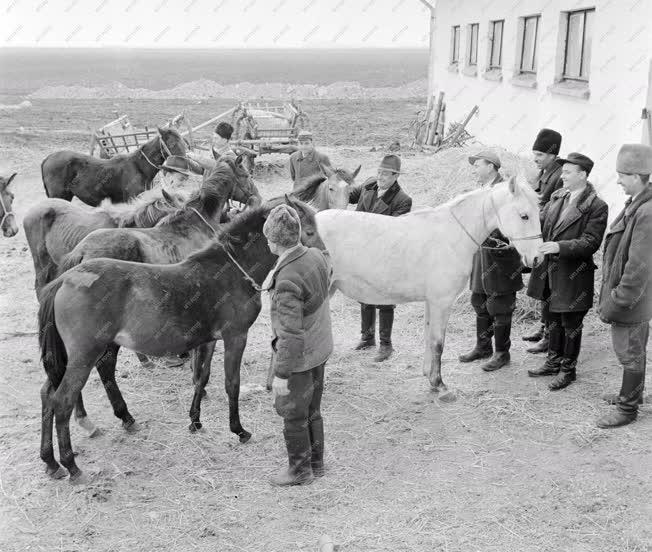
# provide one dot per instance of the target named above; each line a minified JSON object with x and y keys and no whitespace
{"x":7,"y":214}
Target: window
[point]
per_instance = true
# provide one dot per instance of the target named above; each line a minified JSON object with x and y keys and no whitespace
{"x":577,"y":49}
{"x":496,"y":44}
{"x":528,"y":63}
{"x":472,"y":56}
{"x":455,"y":44}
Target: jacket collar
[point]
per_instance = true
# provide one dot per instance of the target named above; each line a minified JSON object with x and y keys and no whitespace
{"x":495,"y":181}
{"x":576,"y":211}
{"x":300,"y":251}
{"x":618,"y":225}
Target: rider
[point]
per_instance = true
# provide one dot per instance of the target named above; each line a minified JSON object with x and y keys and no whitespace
{"x":304,"y":164}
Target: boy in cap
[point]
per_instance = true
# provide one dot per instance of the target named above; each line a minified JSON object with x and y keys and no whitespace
{"x":572,"y":224}
{"x":302,"y":342}
{"x":382,"y":195}
{"x":626,"y":292}
{"x":305,"y":163}
{"x":545,"y":150}
{"x":495,"y":279}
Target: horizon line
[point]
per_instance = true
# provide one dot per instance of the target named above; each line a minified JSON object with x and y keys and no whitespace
{"x":121,"y":46}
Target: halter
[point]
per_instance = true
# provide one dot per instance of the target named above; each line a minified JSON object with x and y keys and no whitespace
{"x":226,"y":249}
{"x":161,"y":146}
{"x":484,"y":219}
{"x":7,"y":214}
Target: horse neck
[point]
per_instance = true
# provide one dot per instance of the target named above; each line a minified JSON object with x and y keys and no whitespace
{"x":476,"y":215}
{"x":153,"y":152}
{"x":322,"y":199}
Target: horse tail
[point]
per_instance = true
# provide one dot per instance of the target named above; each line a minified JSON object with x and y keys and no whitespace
{"x":53,"y":350}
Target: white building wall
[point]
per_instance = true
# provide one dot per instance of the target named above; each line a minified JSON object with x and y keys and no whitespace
{"x":510,"y":116}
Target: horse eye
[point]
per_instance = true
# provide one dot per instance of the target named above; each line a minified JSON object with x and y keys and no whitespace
{"x":310,"y":232}
{"x":525,"y":217}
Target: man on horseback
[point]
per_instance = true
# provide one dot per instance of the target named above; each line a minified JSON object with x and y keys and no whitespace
{"x":382,"y":195}
{"x":302,"y":343}
{"x":545,"y":151}
{"x":572,"y":224}
{"x":495,"y":279}
{"x":305,"y":163}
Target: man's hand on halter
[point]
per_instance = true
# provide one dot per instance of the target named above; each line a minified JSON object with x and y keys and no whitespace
{"x":549,"y":248}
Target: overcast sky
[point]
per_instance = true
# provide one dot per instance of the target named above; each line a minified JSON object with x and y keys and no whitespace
{"x":214,"y":23}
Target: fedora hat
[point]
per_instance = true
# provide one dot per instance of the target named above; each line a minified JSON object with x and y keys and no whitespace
{"x":391,"y":163}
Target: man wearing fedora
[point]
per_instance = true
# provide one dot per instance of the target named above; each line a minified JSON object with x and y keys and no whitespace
{"x":572,"y":225}
{"x":305,"y":163}
{"x":626,"y":291}
{"x":545,"y":150}
{"x":382,"y":195}
{"x":495,"y":279}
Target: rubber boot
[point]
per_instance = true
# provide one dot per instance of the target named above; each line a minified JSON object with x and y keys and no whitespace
{"x":542,"y":345}
{"x":386,"y":316}
{"x":316,"y":429}
{"x":629,"y":397}
{"x":536,"y":336}
{"x":299,"y":471}
{"x":567,"y":372}
{"x":552,"y":365}
{"x":502,"y":331}
{"x":483,"y":347}
{"x":368,"y":327}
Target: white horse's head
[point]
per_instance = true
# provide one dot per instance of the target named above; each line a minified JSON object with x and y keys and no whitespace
{"x":517,"y":210}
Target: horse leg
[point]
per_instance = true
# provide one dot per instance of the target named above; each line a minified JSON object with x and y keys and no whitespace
{"x":106,"y":369}
{"x":53,"y":469}
{"x":63,"y":401}
{"x":82,"y":419}
{"x":201,"y":372}
{"x":438,"y":319}
{"x":144,"y":361}
{"x":234,"y":346}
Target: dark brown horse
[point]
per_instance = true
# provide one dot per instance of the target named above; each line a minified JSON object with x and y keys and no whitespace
{"x":67,"y":174}
{"x":157,"y":310}
{"x":8,"y":223}
{"x":53,"y":227}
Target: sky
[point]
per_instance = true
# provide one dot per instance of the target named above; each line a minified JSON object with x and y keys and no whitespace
{"x":214,"y":23}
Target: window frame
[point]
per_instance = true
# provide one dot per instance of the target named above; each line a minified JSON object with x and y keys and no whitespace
{"x":455,"y":41}
{"x":492,"y":40}
{"x":470,"y":52}
{"x":564,"y":75}
{"x":525,"y":20}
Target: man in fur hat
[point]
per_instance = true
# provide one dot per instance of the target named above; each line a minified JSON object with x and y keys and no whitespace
{"x":572,"y":225}
{"x":495,"y":279}
{"x":545,"y":151}
{"x":626,"y":292}
{"x":382,"y":195}
{"x":302,"y":342}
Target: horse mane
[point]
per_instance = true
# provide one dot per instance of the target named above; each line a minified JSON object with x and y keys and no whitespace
{"x":143,"y":211}
{"x":208,"y":200}
{"x":308,"y":191}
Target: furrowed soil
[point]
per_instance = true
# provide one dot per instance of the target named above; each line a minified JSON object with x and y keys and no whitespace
{"x":508,"y":466}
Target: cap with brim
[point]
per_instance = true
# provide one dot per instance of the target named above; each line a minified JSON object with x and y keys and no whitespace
{"x":391,"y":163}
{"x":488,"y":156}
{"x":304,"y":135}
{"x":578,"y":159}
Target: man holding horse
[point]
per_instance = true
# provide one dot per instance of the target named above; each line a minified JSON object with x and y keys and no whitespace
{"x":302,"y":342}
{"x":305,"y":163}
{"x":221,"y":147}
{"x":626,"y":292}
{"x":495,"y":279}
{"x":572,"y":223}
{"x":382,"y":195}
{"x":545,"y":151}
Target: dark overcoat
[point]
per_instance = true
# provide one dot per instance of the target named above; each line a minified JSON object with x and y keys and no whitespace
{"x":548,"y":182}
{"x":626,"y":291}
{"x":570,"y":273}
{"x":394,"y":201}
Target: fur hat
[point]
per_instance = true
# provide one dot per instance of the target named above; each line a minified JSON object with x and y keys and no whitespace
{"x":547,"y":141}
{"x":283,"y":226}
{"x":634,"y":159}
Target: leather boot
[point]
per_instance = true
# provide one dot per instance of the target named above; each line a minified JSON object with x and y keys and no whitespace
{"x":386,"y":316}
{"x":502,"y":331}
{"x":368,"y":327}
{"x":536,"y":336}
{"x":552,"y":365}
{"x":628,"y":401}
{"x":612,"y":398}
{"x":299,"y":471}
{"x":483,"y":347}
{"x":567,"y":372}
{"x":542,"y":345}
{"x":316,"y":429}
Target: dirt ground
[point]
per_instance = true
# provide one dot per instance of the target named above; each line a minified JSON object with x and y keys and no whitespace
{"x":508,"y":466}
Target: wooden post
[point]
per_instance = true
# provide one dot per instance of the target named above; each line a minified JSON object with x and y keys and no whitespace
{"x":441,"y":125}
{"x":451,"y":139}
{"x":432,"y":130}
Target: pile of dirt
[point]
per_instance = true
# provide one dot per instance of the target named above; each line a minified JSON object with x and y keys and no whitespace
{"x":205,"y":88}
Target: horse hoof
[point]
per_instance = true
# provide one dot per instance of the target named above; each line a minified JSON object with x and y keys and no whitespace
{"x":131,"y":427}
{"x":244,"y":436}
{"x":56,"y":473}
{"x":80,"y":478}
{"x":448,"y":397}
{"x":194,"y":427}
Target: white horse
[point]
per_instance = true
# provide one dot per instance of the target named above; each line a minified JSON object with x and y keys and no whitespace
{"x":426,"y":255}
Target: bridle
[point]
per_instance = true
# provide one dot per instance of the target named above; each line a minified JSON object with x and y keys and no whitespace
{"x":246,"y":275}
{"x":164,"y":154}
{"x":484,"y":219}
{"x":7,"y":212}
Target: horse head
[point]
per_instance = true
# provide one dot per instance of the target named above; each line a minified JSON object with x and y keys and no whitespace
{"x":309,"y":235}
{"x":170,"y":142}
{"x":245,"y":190}
{"x":516,"y":206}
{"x":337,"y":186}
{"x":8,"y":224}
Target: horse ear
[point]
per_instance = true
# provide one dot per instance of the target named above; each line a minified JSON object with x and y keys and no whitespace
{"x":10,"y":179}
{"x":168,"y":197}
{"x":355,"y":172}
{"x":513,"y":188}
{"x":326,"y":170}
{"x":239,"y":160}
